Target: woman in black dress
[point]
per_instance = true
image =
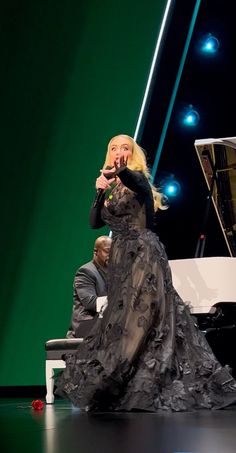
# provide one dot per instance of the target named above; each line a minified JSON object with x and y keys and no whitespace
{"x":146,"y":353}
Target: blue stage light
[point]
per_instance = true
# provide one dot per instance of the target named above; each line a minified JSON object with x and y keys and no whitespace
{"x":191,"y":117}
{"x":210,"y":44}
{"x":171,"y":188}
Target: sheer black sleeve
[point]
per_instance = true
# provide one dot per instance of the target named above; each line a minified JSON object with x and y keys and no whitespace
{"x":95,"y":218}
{"x":138,"y":183}
{"x":134,"y":180}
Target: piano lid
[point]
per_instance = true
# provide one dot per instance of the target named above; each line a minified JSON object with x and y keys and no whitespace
{"x":218,"y":162}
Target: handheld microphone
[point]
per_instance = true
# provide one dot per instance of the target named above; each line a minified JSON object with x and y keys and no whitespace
{"x":100,"y":192}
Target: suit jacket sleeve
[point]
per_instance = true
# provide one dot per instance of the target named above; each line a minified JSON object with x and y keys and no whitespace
{"x":85,"y":287}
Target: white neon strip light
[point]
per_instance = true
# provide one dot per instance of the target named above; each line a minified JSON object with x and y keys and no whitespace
{"x":158,"y":44}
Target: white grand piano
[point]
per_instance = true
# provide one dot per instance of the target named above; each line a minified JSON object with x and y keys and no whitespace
{"x":208,"y":284}
{"x":204,"y":282}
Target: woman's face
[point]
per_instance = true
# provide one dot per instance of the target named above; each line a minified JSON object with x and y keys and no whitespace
{"x":120,"y":147}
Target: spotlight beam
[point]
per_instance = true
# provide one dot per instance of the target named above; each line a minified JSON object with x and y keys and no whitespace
{"x":175,"y":89}
{"x":153,"y":65}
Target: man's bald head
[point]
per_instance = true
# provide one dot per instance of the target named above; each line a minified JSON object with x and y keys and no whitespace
{"x":102,"y":248}
{"x":102,"y":241}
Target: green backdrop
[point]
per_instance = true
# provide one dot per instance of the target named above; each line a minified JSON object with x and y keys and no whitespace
{"x":73,"y":75}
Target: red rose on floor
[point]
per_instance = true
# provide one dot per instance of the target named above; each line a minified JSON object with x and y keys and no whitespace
{"x":37,"y":405}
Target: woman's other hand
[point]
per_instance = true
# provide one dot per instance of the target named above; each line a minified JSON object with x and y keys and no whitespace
{"x":121,"y":162}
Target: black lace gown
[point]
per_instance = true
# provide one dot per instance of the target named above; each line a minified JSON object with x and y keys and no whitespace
{"x":147,"y":352}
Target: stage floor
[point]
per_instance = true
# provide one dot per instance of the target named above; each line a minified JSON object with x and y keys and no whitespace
{"x":59,"y":428}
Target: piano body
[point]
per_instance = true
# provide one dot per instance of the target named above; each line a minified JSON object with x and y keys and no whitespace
{"x":208,"y":284}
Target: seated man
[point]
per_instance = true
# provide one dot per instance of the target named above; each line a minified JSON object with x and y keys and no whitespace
{"x":90,"y":289}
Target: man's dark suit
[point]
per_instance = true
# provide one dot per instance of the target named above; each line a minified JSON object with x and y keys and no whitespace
{"x":89,"y":284}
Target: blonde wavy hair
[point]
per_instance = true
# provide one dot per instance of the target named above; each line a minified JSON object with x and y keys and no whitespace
{"x":137,"y":162}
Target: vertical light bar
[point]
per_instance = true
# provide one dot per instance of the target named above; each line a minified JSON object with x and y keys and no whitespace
{"x":154,"y":60}
{"x":175,"y":89}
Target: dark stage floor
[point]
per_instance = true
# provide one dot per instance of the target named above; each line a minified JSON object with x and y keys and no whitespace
{"x":59,"y":428}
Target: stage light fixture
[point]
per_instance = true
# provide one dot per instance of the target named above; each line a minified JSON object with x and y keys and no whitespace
{"x":170,"y":187}
{"x":191,"y":117}
{"x":210,"y":44}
